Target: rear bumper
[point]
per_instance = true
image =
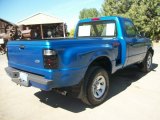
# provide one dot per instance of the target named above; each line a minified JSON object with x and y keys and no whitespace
{"x":33,"y":80}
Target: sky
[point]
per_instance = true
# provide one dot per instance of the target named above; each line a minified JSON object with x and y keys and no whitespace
{"x":67,"y":10}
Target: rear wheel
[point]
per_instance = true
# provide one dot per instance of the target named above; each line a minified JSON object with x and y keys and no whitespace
{"x":97,"y":86}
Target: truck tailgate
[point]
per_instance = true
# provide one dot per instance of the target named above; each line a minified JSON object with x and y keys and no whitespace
{"x":27,"y":55}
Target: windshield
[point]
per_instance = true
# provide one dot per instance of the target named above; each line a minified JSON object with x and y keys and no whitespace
{"x":97,"y":29}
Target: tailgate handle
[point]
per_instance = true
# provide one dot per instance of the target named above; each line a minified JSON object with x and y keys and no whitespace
{"x":21,"y":46}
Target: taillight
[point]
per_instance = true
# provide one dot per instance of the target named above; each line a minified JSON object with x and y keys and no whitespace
{"x":50,"y":59}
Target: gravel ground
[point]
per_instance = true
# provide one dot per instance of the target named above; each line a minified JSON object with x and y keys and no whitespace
{"x":133,"y":96}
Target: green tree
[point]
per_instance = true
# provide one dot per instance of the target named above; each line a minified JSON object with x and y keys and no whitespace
{"x":71,"y":33}
{"x":153,"y":15}
{"x":144,"y":13}
{"x":146,"y":16}
{"x":116,"y":7}
{"x":89,"y":13}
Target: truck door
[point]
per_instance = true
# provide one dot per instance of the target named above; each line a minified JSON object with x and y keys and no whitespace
{"x":135,"y":44}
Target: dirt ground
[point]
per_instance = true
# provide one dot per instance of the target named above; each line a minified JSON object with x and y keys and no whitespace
{"x":133,"y":96}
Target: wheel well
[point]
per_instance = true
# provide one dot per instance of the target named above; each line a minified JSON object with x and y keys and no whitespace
{"x":151,"y":50}
{"x":103,"y":62}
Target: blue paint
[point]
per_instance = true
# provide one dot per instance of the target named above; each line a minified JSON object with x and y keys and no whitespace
{"x":76,"y":54}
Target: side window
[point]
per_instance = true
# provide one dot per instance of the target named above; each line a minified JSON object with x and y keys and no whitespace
{"x":130,"y":29}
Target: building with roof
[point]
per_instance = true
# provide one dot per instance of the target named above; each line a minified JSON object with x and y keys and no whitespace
{"x":44,"y":26}
{"x":4,"y":25}
{"x":7,"y":30}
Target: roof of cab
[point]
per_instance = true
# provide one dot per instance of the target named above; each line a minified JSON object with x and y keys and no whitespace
{"x":103,"y":18}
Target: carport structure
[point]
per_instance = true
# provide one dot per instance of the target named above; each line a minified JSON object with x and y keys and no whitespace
{"x":46,"y":26}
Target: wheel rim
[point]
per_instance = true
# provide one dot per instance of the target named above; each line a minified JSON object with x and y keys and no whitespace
{"x":149,"y":61}
{"x":99,"y":86}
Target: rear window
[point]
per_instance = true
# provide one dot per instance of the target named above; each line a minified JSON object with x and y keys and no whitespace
{"x":97,"y":29}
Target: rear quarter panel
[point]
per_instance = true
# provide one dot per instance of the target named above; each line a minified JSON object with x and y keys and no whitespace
{"x":81,"y":54}
{"x":76,"y":55}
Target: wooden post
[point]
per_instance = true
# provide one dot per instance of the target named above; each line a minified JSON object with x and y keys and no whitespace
{"x":64,"y":34}
{"x":41,"y":31}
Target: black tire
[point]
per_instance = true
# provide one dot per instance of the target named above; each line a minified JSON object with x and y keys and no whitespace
{"x":146,"y":65}
{"x":90,"y":86}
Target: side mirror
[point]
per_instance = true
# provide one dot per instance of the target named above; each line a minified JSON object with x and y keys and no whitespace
{"x":142,"y":34}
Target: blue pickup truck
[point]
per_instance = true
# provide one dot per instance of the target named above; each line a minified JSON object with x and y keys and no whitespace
{"x":82,"y":64}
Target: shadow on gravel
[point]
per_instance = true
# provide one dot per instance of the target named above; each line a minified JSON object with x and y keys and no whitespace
{"x":56,"y":100}
{"x":118,"y":83}
{"x":124,"y":78}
